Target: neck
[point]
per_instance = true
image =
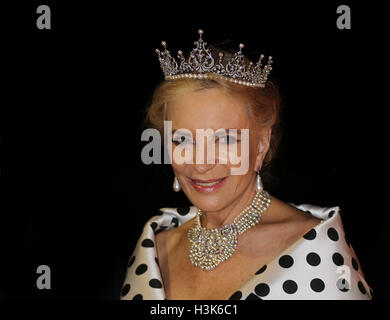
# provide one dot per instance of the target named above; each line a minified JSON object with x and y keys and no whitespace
{"x":217,"y":219}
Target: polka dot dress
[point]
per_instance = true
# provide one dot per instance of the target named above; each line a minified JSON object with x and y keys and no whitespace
{"x":320,"y":265}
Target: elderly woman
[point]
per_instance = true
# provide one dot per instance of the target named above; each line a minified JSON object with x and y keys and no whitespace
{"x":237,"y":241}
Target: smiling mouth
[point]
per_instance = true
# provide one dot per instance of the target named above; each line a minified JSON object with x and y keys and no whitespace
{"x":207,"y":185}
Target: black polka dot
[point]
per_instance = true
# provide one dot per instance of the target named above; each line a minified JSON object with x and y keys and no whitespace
{"x":262,"y":269}
{"x":147,"y":243}
{"x":290,"y":286}
{"x":310,"y":235}
{"x":317,"y":285}
{"x":355,"y":264}
{"x":332,"y":234}
{"x":175,"y":221}
{"x":236,"y":295}
{"x":252,"y":296}
{"x":155,"y":283}
{"x":154,"y":225}
{"x":309,"y":212}
{"x":338,"y":259}
{"x":361,"y":287}
{"x":156,"y":259}
{"x":183,"y":210}
{"x":331,"y":213}
{"x":131,"y":261}
{"x":125,"y":289}
{"x":138,"y":297}
{"x":141,"y":269}
{"x":343,"y":285}
{"x":313,"y":259}
{"x":286,"y":261}
{"x":262,"y":289}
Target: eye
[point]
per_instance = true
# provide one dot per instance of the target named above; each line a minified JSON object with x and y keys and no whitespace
{"x":180,"y":140}
{"x":227,"y":139}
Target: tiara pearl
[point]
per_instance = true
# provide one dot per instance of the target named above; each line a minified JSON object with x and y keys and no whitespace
{"x":202,"y":65}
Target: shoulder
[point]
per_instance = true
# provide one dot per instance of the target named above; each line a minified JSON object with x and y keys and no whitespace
{"x":180,"y":215}
{"x":169,"y":218}
{"x":327,"y":254}
{"x":171,"y":225}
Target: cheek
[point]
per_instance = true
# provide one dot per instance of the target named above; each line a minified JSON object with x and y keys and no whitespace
{"x":253,"y":148}
{"x":182,"y":171}
{"x":182,"y":154}
{"x":178,"y":168}
{"x":237,"y":184}
{"x":253,"y":153}
{"x":239,"y":154}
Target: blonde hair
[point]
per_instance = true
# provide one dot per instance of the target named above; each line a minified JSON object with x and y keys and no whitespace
{"x":264,"y":105}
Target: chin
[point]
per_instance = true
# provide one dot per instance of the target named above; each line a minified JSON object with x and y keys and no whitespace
{"x":213,"y":203}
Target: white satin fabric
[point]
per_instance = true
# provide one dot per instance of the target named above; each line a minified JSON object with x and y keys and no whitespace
{"x":320,"y":265}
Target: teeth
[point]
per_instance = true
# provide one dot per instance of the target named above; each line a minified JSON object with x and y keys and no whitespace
{"x":208,"y":184}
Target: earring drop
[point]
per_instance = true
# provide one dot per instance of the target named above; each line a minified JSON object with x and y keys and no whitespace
{"x":259,"y":185}
{"x":176,"y":185}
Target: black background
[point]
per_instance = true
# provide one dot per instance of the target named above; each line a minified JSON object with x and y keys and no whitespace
{"x":75,"y":192}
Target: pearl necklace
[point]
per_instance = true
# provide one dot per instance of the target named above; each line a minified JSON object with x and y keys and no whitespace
{"x":210,"y":247}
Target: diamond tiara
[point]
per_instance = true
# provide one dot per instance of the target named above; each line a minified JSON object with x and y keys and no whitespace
{"x":201,"y":65}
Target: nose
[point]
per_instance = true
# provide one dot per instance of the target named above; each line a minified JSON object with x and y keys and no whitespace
{"x":203,"y":168}
{"x":203,"y":157}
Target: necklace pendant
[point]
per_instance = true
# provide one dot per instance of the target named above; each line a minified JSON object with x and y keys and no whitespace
{"x":210,"y":247}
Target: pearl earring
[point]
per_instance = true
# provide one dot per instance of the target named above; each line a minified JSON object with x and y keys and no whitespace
{"x":176,"y":185}
{"x":259,"y":185}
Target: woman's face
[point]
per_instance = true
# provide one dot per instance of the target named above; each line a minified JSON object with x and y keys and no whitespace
{"x":212,"y":186}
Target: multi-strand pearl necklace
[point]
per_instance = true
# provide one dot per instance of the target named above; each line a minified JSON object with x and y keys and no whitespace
{"x":210,"y":247}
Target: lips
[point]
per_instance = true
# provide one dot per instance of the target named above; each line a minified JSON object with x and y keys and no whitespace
{"x":207,"y":185}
